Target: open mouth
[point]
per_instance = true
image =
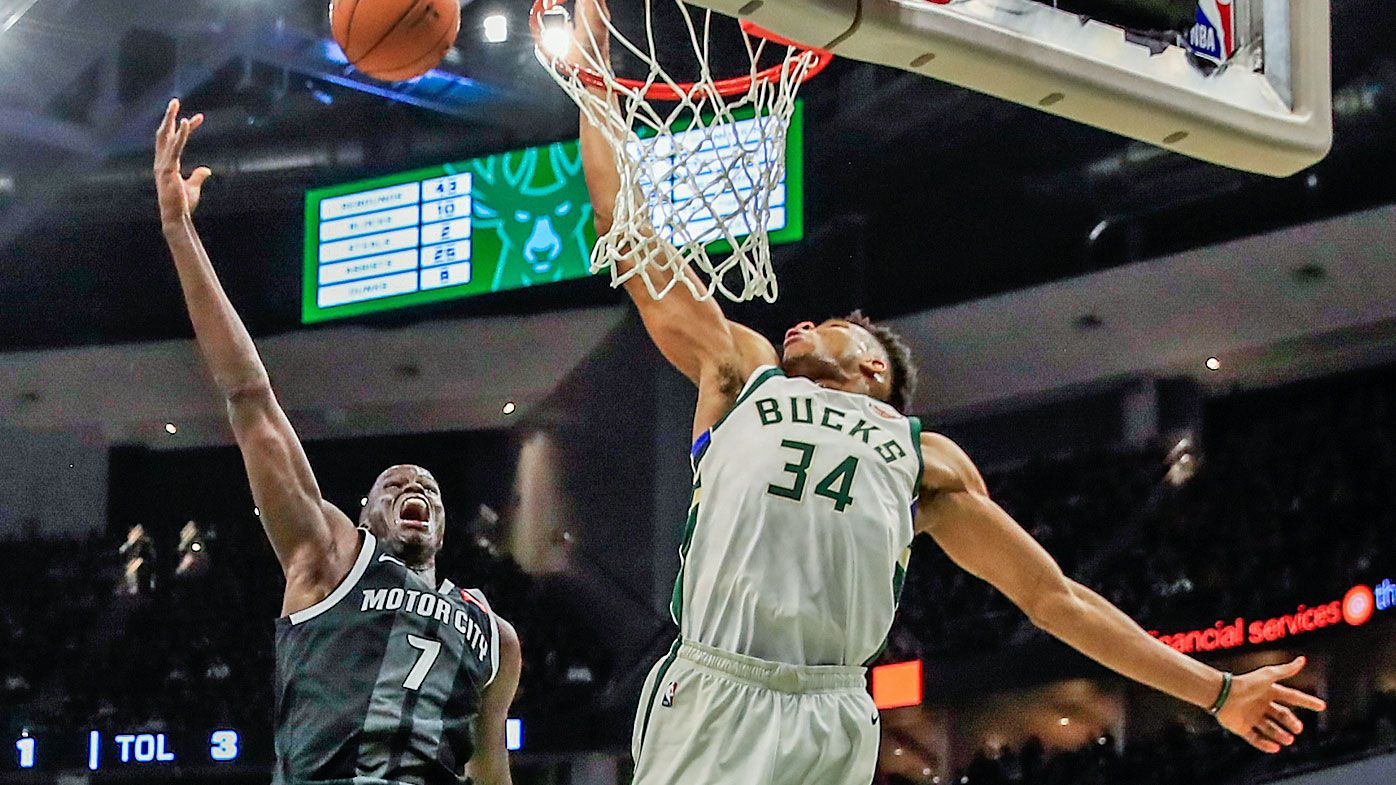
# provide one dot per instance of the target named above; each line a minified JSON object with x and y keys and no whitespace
{"x":415,"y":512}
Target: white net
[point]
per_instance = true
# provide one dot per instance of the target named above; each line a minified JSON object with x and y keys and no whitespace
{"x":701,"y":164}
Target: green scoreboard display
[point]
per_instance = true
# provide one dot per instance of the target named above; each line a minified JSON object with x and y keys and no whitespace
{"x":506,"y":221}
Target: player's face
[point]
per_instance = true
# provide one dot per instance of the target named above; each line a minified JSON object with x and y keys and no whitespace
{"x":810,"y":348}
{"x":407,"y":513}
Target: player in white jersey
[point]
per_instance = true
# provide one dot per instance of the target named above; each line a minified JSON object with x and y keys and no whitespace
{"x":808,"y":487}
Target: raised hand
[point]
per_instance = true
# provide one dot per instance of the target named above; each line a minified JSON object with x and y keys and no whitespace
{"x":1260,"y":709}
{"x":179,"y":197}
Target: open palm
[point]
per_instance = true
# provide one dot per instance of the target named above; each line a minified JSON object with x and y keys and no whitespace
{"x":1261,"y":710}
{"x":179,"y":196}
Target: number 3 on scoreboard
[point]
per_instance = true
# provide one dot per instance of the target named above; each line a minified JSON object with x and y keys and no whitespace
{"x":430,"y":651}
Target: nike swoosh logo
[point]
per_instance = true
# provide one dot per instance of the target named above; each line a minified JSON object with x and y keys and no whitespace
{"x":386,"y":557}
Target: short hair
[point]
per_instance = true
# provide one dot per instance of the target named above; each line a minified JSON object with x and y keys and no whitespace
{"x":903,"y":384}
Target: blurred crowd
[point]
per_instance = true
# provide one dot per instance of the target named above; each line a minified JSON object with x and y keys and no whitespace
{"x":1182,"y":755}
{"x":156,"y":631}
{"x":1292,"y":500}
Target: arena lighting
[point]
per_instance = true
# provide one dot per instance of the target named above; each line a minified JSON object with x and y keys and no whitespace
{"x":496,"y":28}
{"x":557,"y":38}
{"x":509,"y":407}
{"x":171,"y":429}
{"x":1064,"y":721}
{"x":363,"y":501}
{"x":257,"y":511}
{"x":17,"y":14}
{"x":1213,"y":364}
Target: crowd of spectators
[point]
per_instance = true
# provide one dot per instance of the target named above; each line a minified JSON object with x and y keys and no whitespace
{"x":1293,"y":502}
{"x":1184,"y":754}
{"x":190,"y":644}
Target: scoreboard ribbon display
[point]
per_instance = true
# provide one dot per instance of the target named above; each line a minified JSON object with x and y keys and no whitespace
{"x":106,"y":750}
{"x":506,"y":221}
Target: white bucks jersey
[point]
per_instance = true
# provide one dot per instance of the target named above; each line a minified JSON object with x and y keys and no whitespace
{"x":800,"y":525}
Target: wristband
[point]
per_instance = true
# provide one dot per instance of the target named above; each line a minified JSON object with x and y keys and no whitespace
{"x":1222,"y":696}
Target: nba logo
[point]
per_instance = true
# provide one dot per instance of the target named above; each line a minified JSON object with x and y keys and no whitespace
{"x":1213,"y":37}
{"x":668,"y":699}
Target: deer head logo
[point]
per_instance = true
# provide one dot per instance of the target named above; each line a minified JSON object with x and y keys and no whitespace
{"x":539,"y":212}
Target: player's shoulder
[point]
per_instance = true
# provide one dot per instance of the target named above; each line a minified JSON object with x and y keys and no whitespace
{"x":945,"y":465}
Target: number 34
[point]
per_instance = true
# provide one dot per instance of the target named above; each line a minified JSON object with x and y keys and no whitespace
{"x":835,"y":485}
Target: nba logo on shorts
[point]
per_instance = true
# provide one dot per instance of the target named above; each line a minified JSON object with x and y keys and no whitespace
{"x":1213,"y":37}
{"x":668,"y":699}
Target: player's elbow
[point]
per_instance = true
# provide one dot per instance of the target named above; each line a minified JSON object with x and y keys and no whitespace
{"x":253,"y":391}
{"x":1054,"y":605}
{"x":602,"y":220}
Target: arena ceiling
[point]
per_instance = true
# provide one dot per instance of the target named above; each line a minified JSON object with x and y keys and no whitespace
{"x":920,"y":194}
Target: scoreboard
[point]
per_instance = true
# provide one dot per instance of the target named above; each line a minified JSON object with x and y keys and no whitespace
{"x":139,"y":749}
{"x":508,"y":221}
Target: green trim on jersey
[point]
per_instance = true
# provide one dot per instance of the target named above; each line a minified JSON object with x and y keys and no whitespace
{"x":765,"y":375}
{"x":915,"y":423}
{"x":654,"y":692}
{"x":899,"y":572}
{"x":676,"y":599}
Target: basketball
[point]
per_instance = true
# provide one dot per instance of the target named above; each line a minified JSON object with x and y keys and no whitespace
{"x":394,"y":40}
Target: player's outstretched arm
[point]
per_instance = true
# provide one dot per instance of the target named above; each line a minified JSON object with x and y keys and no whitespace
{"x":692,"y":333}
{"x":314,"y":541}
{"x":983,"y":539}
{"x":490,"y":764}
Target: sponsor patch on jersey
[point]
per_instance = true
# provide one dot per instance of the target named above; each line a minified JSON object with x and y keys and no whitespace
{"x":670,"y":691}
{"x":885,"y":412}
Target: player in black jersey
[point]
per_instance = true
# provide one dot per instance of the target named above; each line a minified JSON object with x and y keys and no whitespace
{"x":383,"y":675}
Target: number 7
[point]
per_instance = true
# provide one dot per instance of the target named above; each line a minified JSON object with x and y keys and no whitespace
{"x":418,"y":674}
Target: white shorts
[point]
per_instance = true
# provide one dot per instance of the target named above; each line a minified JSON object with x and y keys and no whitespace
{"x":710,"y":717}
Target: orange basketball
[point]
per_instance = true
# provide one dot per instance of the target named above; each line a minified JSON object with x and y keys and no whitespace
{"x":393,"y":40}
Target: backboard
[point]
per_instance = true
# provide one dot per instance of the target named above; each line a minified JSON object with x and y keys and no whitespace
{"x":1248,"y":87}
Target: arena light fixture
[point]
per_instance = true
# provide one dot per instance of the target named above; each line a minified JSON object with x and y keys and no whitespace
{"x":557,"y":41}
{"x":509,"y":407}
{"x":1213,"y":364}
{"x":496,"y":28}
{"x":171,"y":428}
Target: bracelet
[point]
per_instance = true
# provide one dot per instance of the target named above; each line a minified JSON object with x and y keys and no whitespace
{"x":1222,"y":696}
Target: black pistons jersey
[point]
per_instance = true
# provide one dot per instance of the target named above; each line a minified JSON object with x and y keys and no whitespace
{"x":379,"y":683}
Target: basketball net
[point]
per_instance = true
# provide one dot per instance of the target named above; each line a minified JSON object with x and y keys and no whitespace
{"x":700,"y":163}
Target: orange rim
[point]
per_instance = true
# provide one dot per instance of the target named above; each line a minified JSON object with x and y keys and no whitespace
{"x":663,"y":91}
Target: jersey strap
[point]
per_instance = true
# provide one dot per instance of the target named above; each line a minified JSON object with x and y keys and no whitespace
{"x":355,"y":573}
{"x":915,"y":423}
{"x":477,"y":598}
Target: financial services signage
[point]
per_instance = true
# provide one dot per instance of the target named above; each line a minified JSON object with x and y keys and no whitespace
{"x":1354,"y":609}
